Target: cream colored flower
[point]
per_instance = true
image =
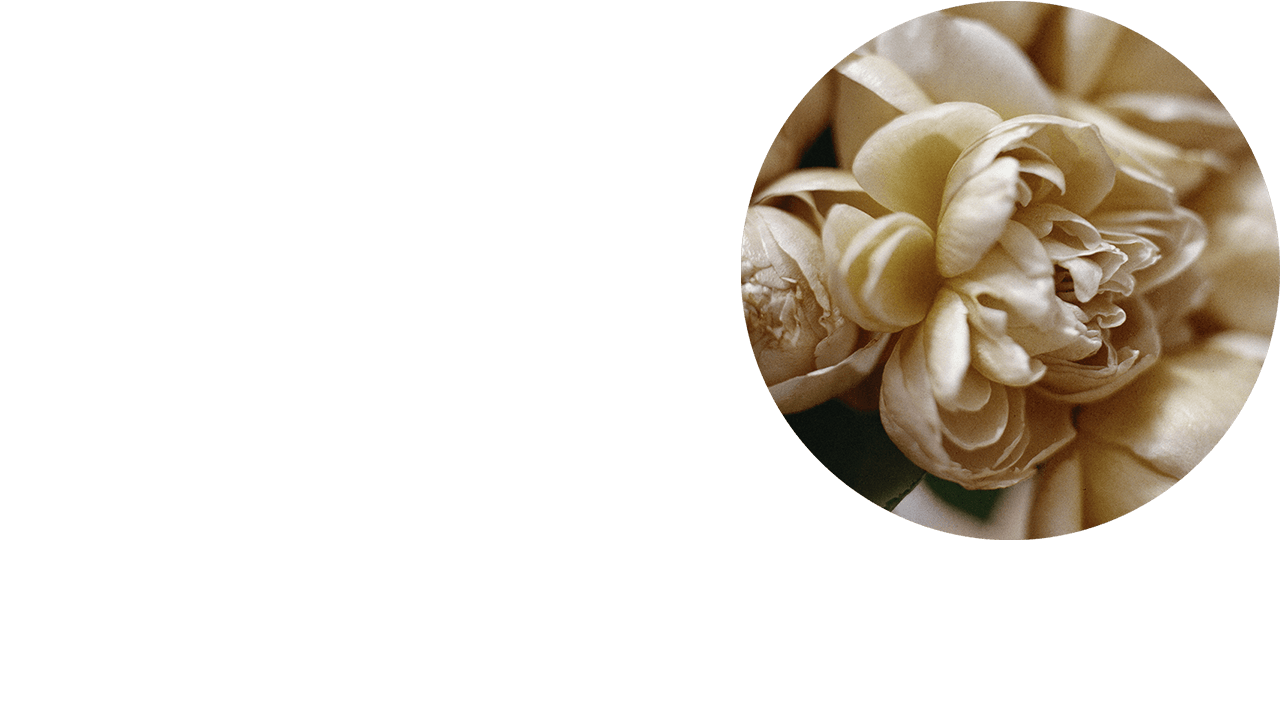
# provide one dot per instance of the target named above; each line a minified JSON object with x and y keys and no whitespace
{"x":808,"y":352}
{"x":1024,"y":249}
{"x":1014,"y":260}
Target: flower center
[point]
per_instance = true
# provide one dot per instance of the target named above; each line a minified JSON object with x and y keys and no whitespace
{"x":1064,"y":285}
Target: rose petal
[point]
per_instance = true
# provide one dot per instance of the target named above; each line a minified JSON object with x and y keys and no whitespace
{"x":905,"y":164}
{"x":1199,"y":123}
{"x":1075,"y":147}
{"x":799,"y":243}
{"x":870,"y":91}
{"x":1129,"y":351}
{"x":810,"y":193}
{"x":1020,"y":21}
{"x":980,"y":428}
{"x":814,"y":388}
{"x":954,"y":58}
{"x":947,"y":331}
{"x":1185,"y":168}
{"x":886,"y":269}
{"x":1174,"y":414}
{"x":1034,"y":430}
{"x":806,"y":122}
{"x":973,"y":220}
{"x":1076,"y":48}
{"x":1089,"y":484}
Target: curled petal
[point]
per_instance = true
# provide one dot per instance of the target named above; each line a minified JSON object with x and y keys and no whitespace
{"x":996,"y":354}
{"x":870,"y":91}
{"x":884,"y":279}
{"x":1176,"y":412}
{"x":905,"y":164}
{"x":957,"y":58}
{"x":810,"y":193}
{"x":1131,"y":348}
{"x":1076,"y":148}
{"x":946,"y":329}
{"x":957,"y":444}
{"x":975,"y":217}
{"x":812,"y":389}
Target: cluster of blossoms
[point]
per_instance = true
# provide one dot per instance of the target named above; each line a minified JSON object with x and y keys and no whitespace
{"x":1020,"y":256}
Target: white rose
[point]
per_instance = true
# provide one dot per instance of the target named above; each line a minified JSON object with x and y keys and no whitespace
{"x":808,"y":352}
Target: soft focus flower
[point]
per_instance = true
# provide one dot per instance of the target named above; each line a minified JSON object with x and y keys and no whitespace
{"x":1241,"y":260}
{"x":1047,"y":218}
{"x":1136,"y":444}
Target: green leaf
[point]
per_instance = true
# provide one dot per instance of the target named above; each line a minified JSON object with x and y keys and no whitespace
{"x":977,"y":503}
{"x":852,"y":444}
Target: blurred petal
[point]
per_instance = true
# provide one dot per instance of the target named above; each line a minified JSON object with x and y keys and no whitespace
{"x":1019,"y":21}
{"x":870,"y":91}
{"x":1182,"y":120}
{"x":905,"y":164}
{"x":1088,"y":484}
{"x":1137,"y":63}
{"x":1242,"y":254}
{"x":1138,"y":443}
{"x":802,"y":127}
{"x":955,"y":58}
{"x":1075,"y":49}
{"x":1183,"y":167}
{"x":1173,"y":414}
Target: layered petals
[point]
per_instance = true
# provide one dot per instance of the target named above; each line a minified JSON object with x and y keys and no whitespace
{"x":905,"y":165}
{"x":807,"y":351}
{"x":1137,"y":443}
{"x":883,"y":278}
{"x":987,"y":435}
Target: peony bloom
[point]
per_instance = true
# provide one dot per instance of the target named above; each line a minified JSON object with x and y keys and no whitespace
{"x":1028,"y":232}
{"x":1015,"y":261}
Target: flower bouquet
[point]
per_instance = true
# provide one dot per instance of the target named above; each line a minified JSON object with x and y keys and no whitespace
{"x":1010,"y":246}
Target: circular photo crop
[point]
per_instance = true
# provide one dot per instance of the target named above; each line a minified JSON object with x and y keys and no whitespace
{"x":1010,"y":270}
